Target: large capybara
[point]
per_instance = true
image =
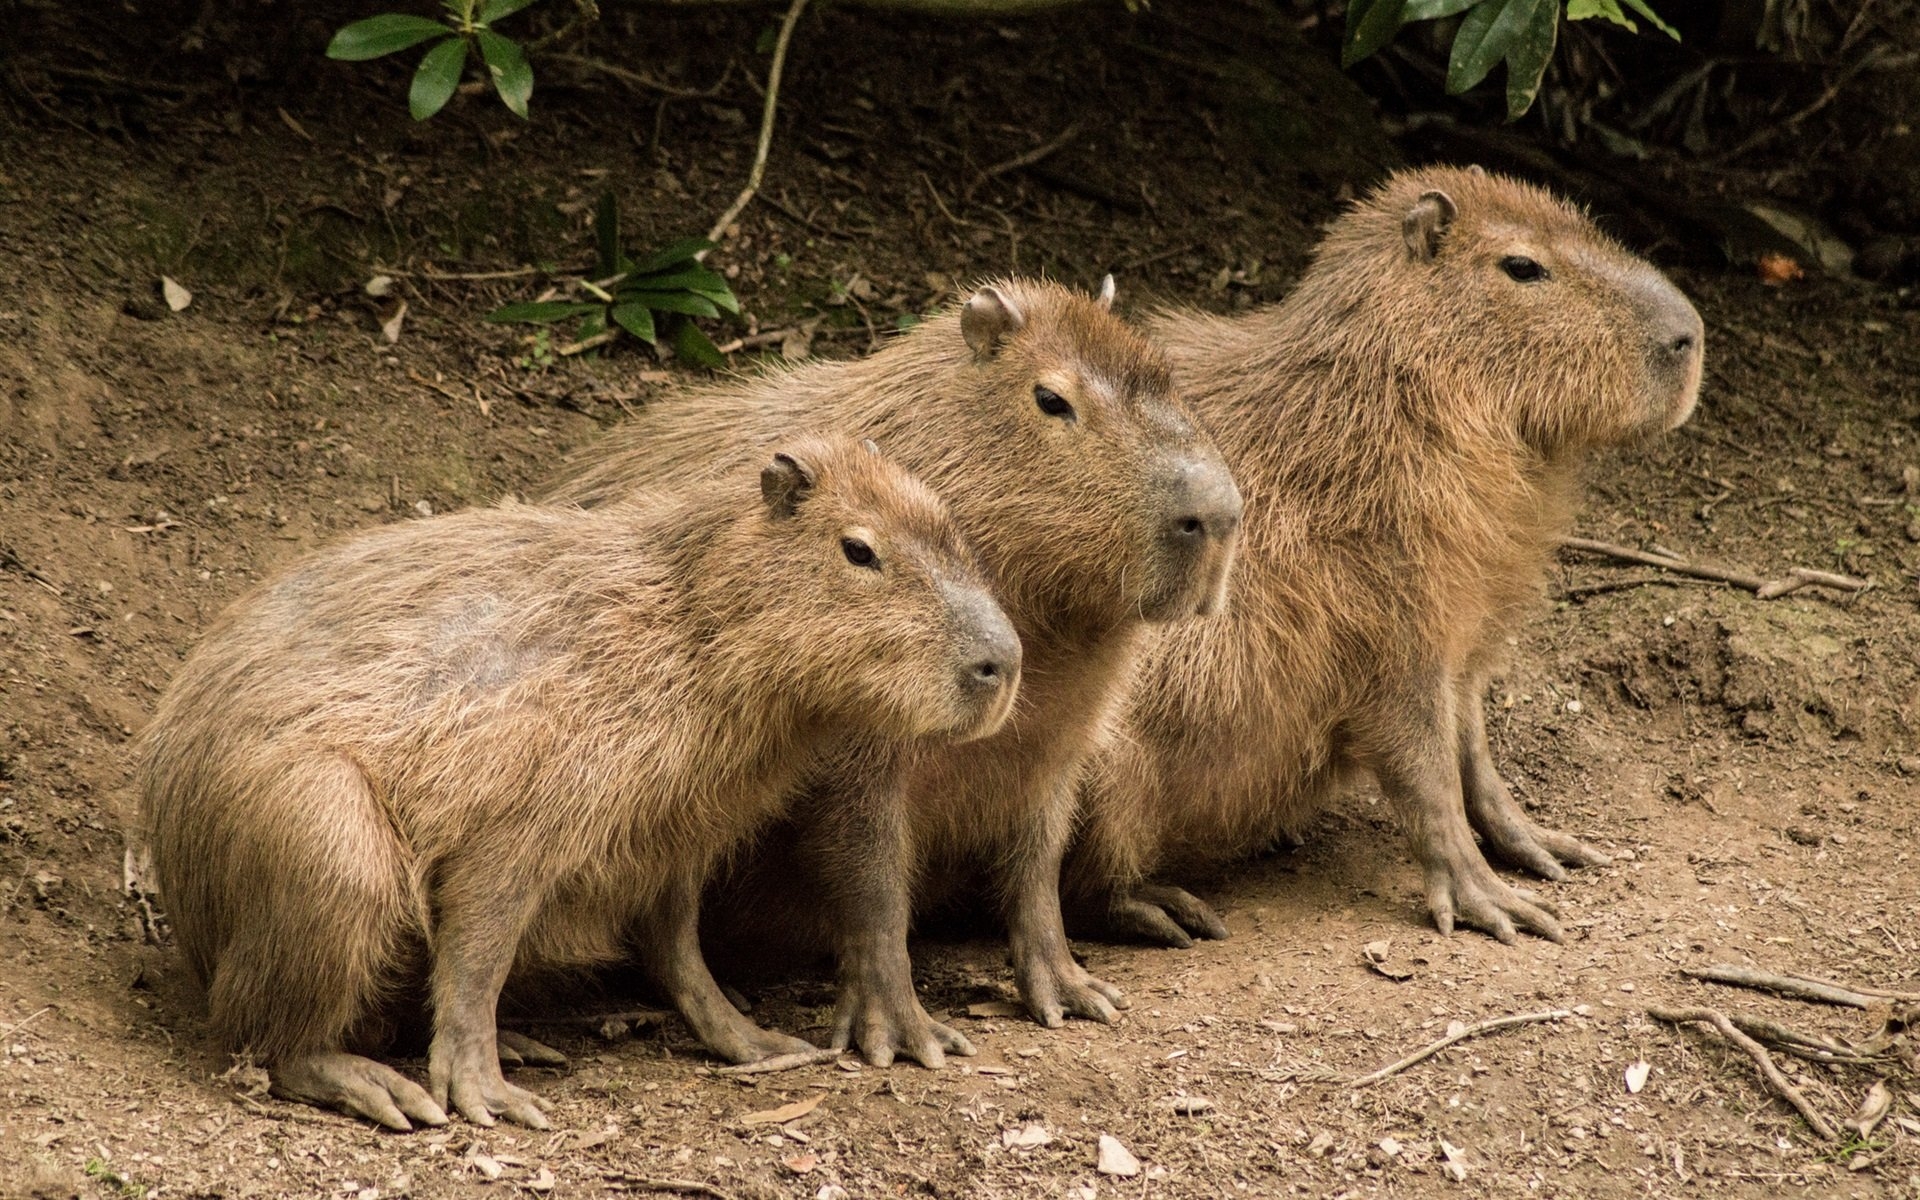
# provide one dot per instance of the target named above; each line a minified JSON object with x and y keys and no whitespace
{"x":1100,"y":509}
{"x":450,"y":751}
{"x":1408,"y":427}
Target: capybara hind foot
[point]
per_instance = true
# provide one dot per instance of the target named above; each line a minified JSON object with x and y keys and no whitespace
{"x":1470,"y":893}
{"x":1056,"y":987}
{"x":357,"y":1086}
{"x":519,"y":1050}
{"x":468,"y":1080}
{"x":1163,"y":916}
{"x":1519,"y":842}
{"x":885,"y":1023}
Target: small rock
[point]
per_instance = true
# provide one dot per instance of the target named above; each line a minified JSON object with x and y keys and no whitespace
{"x":423,"y":508}
{"x":542,"y":1181}
{"x":1191,"y":1106}
{"x":831,"y":1191}
{"x":800,"y":1164}
{"x":1575,"y":707}
{"x":1321,"y":1143}
{"x":1116,"y":1159}
{"x":1028,"y":1135}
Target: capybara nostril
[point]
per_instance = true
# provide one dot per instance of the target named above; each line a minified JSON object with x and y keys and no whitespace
{"x":1208,"y":504}
{"x":1682,"y":344}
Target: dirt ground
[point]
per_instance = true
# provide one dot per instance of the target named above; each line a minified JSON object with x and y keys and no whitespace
{"x":1753,"y":765}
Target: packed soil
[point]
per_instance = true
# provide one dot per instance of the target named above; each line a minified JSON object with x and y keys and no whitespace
{"x":1752,"y":765}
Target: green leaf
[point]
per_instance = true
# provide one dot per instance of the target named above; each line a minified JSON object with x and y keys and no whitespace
{"x":606,"y":236}
{"x":378,"y":36}
{"x":1371,"y":24}
{"x":507,"y":63}
{"x":723,"y":298}
{"x":692,"y":279}
{"x":596,"y":323}
{"x":636,"y":320}
{"x":670,"y":254}
{"x":690,"y":303}
{"x":694,"y":346}
{"x":1586,"y":10}
{"x":1433,"y":10}
{"x":438,"y":75}
{"x":493,"y":10}
{"x":539,"y":312}
{"x":1483,"y":39}
{"x":1640,"y":6}
{"x":1528,"y":57}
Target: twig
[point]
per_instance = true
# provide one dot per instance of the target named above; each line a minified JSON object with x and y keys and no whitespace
{"x":753,"y":341}
{"x":462,"y":276}
{"x":1039,"y":153}
{"x":1471,"y":1031}
{"x":22,"y":1023}
{"x":782,"y":1062}
{"x":1622,"y":585}
{"x":766,"y":122}
{"x":586,"y":343}
{"x":1801,"y":1045}
{"x":637,"y":80}
{"x":1758,"y":1053}
{"x":1763,"y":589}
{"x":585,"y":12}
{"x":9,"y":558}
{"x":651,"y":1183}
{"x":1798,"y":987}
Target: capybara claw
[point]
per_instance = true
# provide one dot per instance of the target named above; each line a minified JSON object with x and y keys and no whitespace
{"x":359,"y":1087}
{"x":1193,"y":915}
{"x":525,"y":1051}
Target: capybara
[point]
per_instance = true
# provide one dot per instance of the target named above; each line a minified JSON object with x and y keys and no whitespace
{"x":1099,"y":507}
{"x":1408,"y":426}
{"x":454,"y":750}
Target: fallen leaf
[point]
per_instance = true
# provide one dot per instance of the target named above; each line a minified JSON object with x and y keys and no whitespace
{"x":995,"y":1008}
{"x":379,"y":286}
{"x":800,"y":1164}
{"x":1776,"y":269}
{"x":1116,"y":1159}
{"x":485,"y":1163}
{"x":1028,"y":1135}
{"x":294,"y":125}
{"x":1637,"y":1076}
{"x":1456,"y":1161}
{"x":390,"y":328}
{"x":176,"y":296}
{"x":1873,"y":1110}
{"x":1374,"y":954}
{"x":785,"y":1113}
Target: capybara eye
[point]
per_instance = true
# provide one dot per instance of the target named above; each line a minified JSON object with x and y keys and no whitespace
{"x":1522,"y":269}
{"x":1051,"y":402}
{"x":859,"y":553}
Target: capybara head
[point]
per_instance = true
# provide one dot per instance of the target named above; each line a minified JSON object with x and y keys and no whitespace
{"x":1513,"y":295}
{"x":1095,"y":480}
{"x":877,"y":601}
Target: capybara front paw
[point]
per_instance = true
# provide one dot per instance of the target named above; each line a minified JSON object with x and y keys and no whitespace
{"x":1164,"y":916}
{"x":471,"y":1084}
{"x":885,"y":1026}
{"x":753,"y":1044}
{"x":1056,"y":990}
{"x":1484,"y":901}
{"x":359,"y":1087}
{"x":1516,"y":840}
{"x":519,"y":1050}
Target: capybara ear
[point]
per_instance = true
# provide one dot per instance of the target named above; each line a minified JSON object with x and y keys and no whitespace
{"x":987,"y":318}
{"x":784,"y":483}
{"x":1425,"y":224}
{"x":870,"y":446}
{"x":1105,"y":298}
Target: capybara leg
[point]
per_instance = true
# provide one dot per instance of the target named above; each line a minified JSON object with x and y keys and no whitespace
{"x":519,"y":1050}
{"x":859,"y":848}
{"x":1050,"y":982}
{"x":474,"y":942}
{"x":1510,"y":834}
{"x":357,"y":1086}
{"x":1419,"y":771}
{"x":670,"y":947}
{"x":1163,"y":916}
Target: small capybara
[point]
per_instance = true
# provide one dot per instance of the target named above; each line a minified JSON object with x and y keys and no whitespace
{"x":454,"y":750}
{"x":1099,"y":507}
{"x":1409,"y":426}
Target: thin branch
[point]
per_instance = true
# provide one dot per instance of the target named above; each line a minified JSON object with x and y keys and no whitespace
{"x":1763,"y":589}
{"x":650,"y":1183}
{"x":22,"y":1023}
{"x":759,"y":167}
{"x":783,"y":1062}
{"x":1461,"y":1035}
{"x":1798,"y":987}
{"x":1758,"y":1053}
{"x":585,"y":13}
{"x":635,"y":79}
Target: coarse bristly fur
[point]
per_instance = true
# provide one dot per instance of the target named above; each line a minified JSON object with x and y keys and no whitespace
{"x":1099,"y":508}
{"x":447,"y":751}
{"x":1407,"y":427}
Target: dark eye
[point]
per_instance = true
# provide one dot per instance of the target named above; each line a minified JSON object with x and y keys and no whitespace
{"x":859,"y":553}
{"x":1521,"y":269}
{"x":1051,"y":402}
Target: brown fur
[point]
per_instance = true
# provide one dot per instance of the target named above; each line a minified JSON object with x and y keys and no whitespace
{"x":1073,"y":518}
{"x":1407,"y":427}
{"x":504,"y":739}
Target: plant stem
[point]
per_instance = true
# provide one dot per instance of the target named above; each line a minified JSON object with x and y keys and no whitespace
{"x":766,"y":124}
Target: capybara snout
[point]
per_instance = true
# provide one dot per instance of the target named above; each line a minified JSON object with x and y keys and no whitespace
{"x":989,"y":659}
{"x":1197,"y":537}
